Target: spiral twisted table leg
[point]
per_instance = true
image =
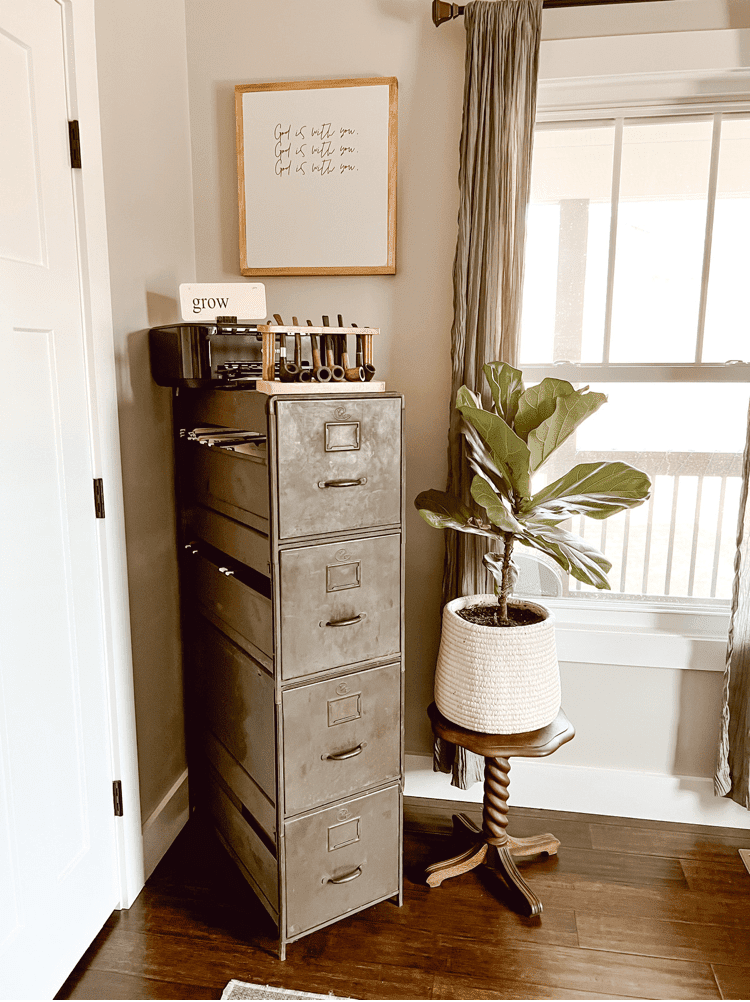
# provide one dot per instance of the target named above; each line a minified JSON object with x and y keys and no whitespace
{"x":495,"y":822}
{"x":495,"y":807}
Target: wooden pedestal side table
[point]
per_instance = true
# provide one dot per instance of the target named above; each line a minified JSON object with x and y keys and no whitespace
{"x":491,"y":844}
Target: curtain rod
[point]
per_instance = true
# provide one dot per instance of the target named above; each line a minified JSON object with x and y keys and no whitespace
{"x":442,"y":11}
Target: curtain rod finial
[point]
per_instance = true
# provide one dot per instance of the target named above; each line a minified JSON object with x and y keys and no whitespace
{"x":442,"y":11}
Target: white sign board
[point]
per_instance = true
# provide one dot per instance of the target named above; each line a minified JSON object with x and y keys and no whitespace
{"x":205,"y":301}
{"x":317,"y":172}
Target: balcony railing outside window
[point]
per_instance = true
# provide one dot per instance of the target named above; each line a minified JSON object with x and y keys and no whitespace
{"x":637,"y":283}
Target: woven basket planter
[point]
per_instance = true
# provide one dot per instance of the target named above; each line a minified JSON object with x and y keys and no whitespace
{"x":497,"y":680}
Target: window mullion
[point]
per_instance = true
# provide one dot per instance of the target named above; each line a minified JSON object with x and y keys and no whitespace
{"x":615,"y":198}
{"x":710,"y":210}
{"x":719,"y":533}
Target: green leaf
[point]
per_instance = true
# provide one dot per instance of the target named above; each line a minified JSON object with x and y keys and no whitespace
{"x":597,"y":490}
{"x":569,"y":412}
{"x":540,"y":517}
{"x":508,"y":452}
{"x":572,"y":553}
{"x":480,"y":460}
{"x":467,"y":398}
{"x":506,"y":386}
{"x":484,"y":495}
{"x":538,"y":403}
{"x":445,"y":511}
{"x":494,"y":564}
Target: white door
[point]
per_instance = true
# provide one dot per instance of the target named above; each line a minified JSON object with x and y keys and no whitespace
{"x":57,"y":838}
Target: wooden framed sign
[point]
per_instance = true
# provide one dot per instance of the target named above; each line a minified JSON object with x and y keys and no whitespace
{"x":316,"y":166}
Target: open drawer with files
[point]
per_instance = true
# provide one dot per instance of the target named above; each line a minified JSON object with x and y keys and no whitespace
{"x":291,"y":513}
{"x":228,"y":481}
{"x":233,"y":597}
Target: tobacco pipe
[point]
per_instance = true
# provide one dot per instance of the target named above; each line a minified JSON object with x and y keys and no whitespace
{"x":368,"y":368}
{"x":304,"y":374}
{"x":320,"y":372}
{"x":337,"y":371}
{"x":355,"y":375}
{"x":287,"y":372}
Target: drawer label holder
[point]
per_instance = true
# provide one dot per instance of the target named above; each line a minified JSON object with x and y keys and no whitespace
{"x":347,"y":707}
{"x":343,"y":833}
{"x":342,"y":436}
{"x":341,"y":577}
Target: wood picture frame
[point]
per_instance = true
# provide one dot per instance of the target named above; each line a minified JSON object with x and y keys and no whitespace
{"x":316,"y":172}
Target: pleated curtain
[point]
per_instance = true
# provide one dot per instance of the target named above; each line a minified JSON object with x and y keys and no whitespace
{"x":732,"y":778}
{"x":502,"y":59}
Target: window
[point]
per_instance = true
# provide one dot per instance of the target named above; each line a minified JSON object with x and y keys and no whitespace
{"x":637,"y":277}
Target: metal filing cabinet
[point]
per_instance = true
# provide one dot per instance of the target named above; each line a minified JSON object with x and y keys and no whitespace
{"x":293,"y":621}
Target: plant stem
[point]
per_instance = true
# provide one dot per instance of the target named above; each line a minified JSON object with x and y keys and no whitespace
{"x":502,"y":598}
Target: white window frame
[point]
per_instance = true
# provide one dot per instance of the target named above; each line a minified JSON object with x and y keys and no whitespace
{"x":702,"y":76}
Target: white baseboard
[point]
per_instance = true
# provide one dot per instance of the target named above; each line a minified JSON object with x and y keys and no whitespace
{"x":165,"y":823}
{"x":613,"y":792}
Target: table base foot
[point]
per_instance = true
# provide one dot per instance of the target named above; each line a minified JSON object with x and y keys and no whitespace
{"x":503,"y":864}
{"x":465,"y":861}
{"x":498,"y":858}
{"x":533,"y":845}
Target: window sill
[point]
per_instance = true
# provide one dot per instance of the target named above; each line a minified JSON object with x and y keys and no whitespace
{"x":640,"y":635}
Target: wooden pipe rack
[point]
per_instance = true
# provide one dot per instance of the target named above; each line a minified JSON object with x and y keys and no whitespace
{"x":269,"y":333}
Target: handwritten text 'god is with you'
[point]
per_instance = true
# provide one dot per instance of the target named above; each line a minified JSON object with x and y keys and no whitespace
{"x":317,"y":150}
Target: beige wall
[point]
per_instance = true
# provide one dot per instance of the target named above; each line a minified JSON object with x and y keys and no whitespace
{"x":147,"y":174}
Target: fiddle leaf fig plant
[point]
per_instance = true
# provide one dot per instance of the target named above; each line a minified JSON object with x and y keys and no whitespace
{"x":505,"y":446}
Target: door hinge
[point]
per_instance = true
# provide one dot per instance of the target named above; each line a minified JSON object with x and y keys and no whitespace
{"x":75,"y":143}
{"x":117,"y":797}
{"x":99,"y":498}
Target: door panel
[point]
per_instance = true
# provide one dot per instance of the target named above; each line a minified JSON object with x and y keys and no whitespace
{"x":22,"y":239}
{"x":57,"y":845}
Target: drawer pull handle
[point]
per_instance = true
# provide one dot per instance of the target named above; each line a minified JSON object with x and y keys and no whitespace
{"x":341,"y":483}
{"x":340,"y":756}
{"x":346,"y":622}
{"x":226,"y":571}
{"x":345,"y":880}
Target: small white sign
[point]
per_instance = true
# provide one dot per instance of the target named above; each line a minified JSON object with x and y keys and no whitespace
{"x":205,"y":301}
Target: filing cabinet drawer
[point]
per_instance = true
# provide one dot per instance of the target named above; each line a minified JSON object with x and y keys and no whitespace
{"x":340,"y":604}
{"x":248,"y":794}
{"x":341,"y":736}
{"x":236,"y":698}
{"x":257,"y":862}
{"x":231,"y":409}
{"x":339,"y":465}
{"x":231,"y":604}
{"x":230,"y":482}
{"x":341,"y":859}
{"x":231,"y":537}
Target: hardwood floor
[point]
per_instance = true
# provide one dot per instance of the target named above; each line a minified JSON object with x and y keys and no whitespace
{"x":632,"y":909}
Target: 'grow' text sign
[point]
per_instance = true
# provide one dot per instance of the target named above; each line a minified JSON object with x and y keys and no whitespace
{"x":205,"y":301}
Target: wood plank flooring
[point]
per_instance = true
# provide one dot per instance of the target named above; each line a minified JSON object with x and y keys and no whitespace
{"x":632,"y":909}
